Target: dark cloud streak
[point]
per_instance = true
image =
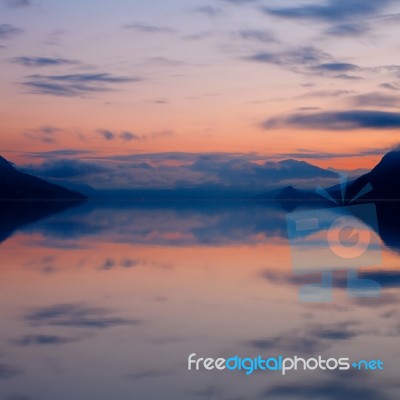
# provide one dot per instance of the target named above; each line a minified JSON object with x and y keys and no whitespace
{"x":79,"y":84}
{"x":42,"y":61}
{"x":330,"y":10}
{"x":337,"y":120}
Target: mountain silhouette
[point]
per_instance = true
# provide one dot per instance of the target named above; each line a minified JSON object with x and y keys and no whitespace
{"x":288,"y":193}
{"x":384,"y":179}
{"x":383,"y":189}
{"x":25,"y":199}
{"x":383,"y":183}
{"x":16,"y":185}
{"x":15,"y":215}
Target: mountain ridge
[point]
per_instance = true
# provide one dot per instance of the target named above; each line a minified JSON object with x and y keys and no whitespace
{"x":17,"y":185}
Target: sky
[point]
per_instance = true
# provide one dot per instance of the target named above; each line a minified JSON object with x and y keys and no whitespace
{"x":162,"y":93}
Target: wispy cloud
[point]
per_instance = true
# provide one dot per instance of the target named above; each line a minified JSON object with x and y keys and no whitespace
{"x":65,"y":168}
{"x":8,"y":31}
{"x":209,"y":11}
{"x":125,"y":136}
{"x":240,"y":2}
{"x":324,"y":94}
{"x":376,"y":99}
{"x":129,"y":136}
{"x":344,"y":17}
{"x":200,"y":35}
{"x":18,"y":3}
{"x":72,"y":85}
{"x":308,"y":60}
{"x":337,"y":67}
{"x":348,"y":29}
{"x":259,"y":35}
{"x":307,"y":55}
{"x":330,"y":10}
{"x":58,"y":153}
{"x":145,"y":28}
{"x":42,"y":61}
{"x":45,"y":134}
{"x":305,"y":154}
{"x":106,"y":134}
{"x":391,"y":86}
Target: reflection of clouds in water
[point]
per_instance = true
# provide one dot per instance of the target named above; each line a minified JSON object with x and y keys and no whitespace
{"x":386,"y":279}
{"x":110,"y":263}
{"x":341,"y":386}
{"x":178,"y":225}
{"x":126,"y":263}
{"x":42,"y":340}
{"x":8,"y":371}
{"x":151,"y":374}
{"x":57,"y":243}
{"x":76,"y":316}
{"x":46,"y":264}
{"x":174,"y":312}
{"x":309,"y":339}
{"x":18,"y":397}
{"x":186,"y":223}
{"x":53,"y":264}
{"x":389,"y":279}
{"x":391,"y":317}
{"x":209,"y":392}
{"x":384,"y":300}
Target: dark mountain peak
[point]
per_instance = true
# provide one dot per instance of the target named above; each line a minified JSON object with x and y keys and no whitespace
{"x":16,"y":185}
{"x":288,"y":192}
{"x":389,"y":164}
{"x":5,"y":165}
{"x":384,"y":180}
{"x":290,"y":162}
{"x":307,"y":168}
{"x":291,"y":193}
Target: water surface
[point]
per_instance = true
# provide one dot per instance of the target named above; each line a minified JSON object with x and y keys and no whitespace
{"x":107,"y":300}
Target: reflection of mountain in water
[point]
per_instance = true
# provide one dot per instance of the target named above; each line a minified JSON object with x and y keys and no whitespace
{"x":176,"y":224}
{"x":25,"y":199}
{"x":172,"y":224}
{"x":389,"y":223}
{"x":182,"y":223}
{"x":18,"y":214}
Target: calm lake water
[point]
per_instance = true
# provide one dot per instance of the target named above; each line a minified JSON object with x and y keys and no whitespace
{"x":107,"y":301}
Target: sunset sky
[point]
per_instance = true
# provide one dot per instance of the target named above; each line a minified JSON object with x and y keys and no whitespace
{"x":94,"y":84}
